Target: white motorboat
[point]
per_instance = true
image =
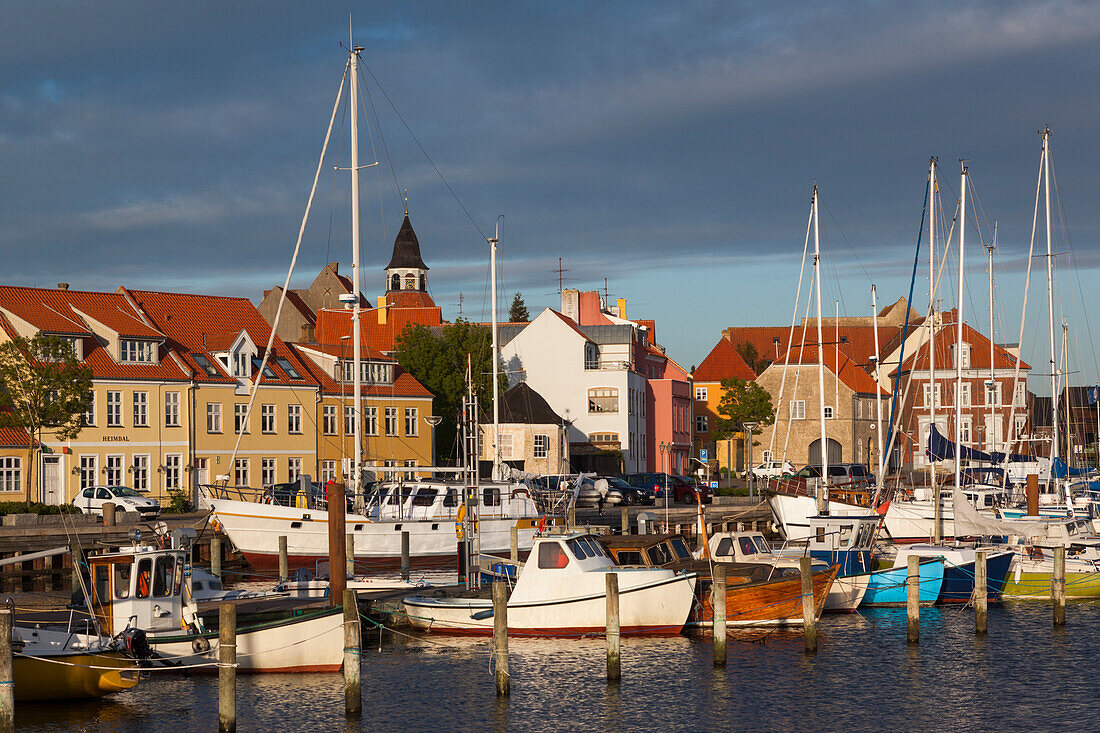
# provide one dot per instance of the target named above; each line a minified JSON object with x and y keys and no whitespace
{"x":561,"y":591}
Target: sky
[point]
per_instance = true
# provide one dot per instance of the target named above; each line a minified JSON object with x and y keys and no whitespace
{"x":670,"y":148}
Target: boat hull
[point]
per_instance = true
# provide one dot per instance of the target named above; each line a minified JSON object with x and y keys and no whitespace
{"x":958,"y":580}
{"x":1030,"y":580}
{"x":846,"y":593}
{"x":770,"y":603}
{"x":73,"y":676}
{"x":887,"y":588}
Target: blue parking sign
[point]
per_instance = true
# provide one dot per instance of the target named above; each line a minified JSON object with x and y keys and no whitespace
{"x":703,"y":455}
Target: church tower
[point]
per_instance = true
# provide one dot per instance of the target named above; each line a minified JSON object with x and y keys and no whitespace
{"x":406,"y":271}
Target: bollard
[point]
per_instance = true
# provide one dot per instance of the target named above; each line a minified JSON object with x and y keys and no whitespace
{"x":284,"y":561}
{"x":912,"y":601}
{"x":1058,"y":586}
{"x":625,"y":521}
{"x":227,"y":668}
{"x":216,"y":556}
{"x":109,"y":514}
{"x":349,"y":554}
{"x":611,"y":628}
{"x":981,"y":593}
{"x":809,"y":611}
{"x":719,"y":587}
{"x":404,"y":554}
{"x":514,"y":556}
{"x":7,"y":679}
{"x":500,"y":638}
{"x":353,"y":696}
{"x":571,"y":517}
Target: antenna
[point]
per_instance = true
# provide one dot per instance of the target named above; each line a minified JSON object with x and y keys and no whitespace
{"x":561,"y":271}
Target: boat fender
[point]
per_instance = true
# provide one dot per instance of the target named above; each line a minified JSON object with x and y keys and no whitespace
{"x":773,"y":527}
{"x":201,"y":645}
{"x":480,"y":615}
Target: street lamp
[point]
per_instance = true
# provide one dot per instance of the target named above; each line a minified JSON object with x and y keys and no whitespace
{"x":433,"y":420}
{"x":665,"y":449}
{"x":749,"y":427}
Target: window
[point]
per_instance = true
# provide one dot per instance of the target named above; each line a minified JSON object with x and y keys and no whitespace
{"x":172,"y":471}
{"x":269,"y":373}
{"x":505,"y":446}
{"x":603,"y":399}
{"x":552,"y":555}
{"x":349,"y":420}
{"x":1021,"y":425}
{"x":542,"y":446}
{"x":965,"y":430}
{"x":328,"y":419}
{"x":701,"y":393}
{"x":828,"y":412}
{"x":328,"y":471}
{"x":410,"y":422}
{"x":141,"y":409}
{"x":240,"y":472}
{"x":702,"y":424}
{"x":89,"y":414}
{"x":604,"y":438}
{"x":290,"y":371}
{"x":213,"y":417}
{"x":993,"y":393}
{"x":391,"y":421}
{"x":294,"y":419}
{"x":928,"y":398}
{"x":1021,"y":394}
{"x":370,"y":421}
{"x":240,"y":418}
{"x":267,"y":419}
{"x":114,"y":409}
{"x":293,"y":469}
{"x":135,"y":351}
{"x":591,"y":356}
{"x":798,"y":409}
{"x":965,"y":355}
{"x":140,"y":480}
{"x":11,"y":473}
{"x":205,"y":365}
{"x":242,"y":364}
{"x":171,"y":409}
{"x":88,"y":470}
{"x":766,"y":456}
{"x":114,"y":470}
{"x":964,"y":396}
{"x":267,"y":471}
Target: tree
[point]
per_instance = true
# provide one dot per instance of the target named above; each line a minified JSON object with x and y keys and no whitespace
{"x":518,"y":312}
{"x":43,"y":386}
{"x":749,"y":353}
{"x":439,"y":363}
{"x":743,"y":401}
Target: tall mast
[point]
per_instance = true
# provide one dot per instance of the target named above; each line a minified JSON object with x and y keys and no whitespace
{"x":878,"y":400}
{"x":932,"y":315}
{"x":1050,"y":303}
{"x":356,"y":335}
{"x":496,"y":355}
{"x":991,"y":443}
{"x":823,"y":487}
{"x":958,"y":354}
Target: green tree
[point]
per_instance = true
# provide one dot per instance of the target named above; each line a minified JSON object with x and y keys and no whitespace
{"x":518,"y":312}
{"x":743,"y":401}
{"x":749,"y":353}
{"x":438,"y":361}
{"x":43,"y":387}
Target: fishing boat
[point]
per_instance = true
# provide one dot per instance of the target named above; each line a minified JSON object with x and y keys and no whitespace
{"x":886,"y":588}
{"x":958,"y":574}
{"x":561,"y":591}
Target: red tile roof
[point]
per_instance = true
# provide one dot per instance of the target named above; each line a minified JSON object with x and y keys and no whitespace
{"x":343,"y":350}
{"x":723,"y":362}
{"x":409,"y":299}
{"x":947,"y":337}
{"x":771,"y":342}
{"x":332,"y":323}
{"x":569,"y":322}
{"x":404,"y":384}
{"x":839,"y":363}
{"x":15,"y":438}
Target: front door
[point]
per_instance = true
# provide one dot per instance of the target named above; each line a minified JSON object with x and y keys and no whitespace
{"x":202,"y":471}
{"x":52,"y":492}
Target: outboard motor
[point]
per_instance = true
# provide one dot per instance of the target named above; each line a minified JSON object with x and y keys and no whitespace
{"x":135,"y":643}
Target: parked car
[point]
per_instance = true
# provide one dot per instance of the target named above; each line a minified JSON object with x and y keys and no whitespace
{"x":699,"y":485}
{"x":125,"y":499}
{"x":679,"y":489}
{"x":773,"y":469}
{"x":632,"y":494}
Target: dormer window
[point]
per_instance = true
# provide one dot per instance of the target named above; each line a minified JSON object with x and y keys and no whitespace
{"x":134,"y":351}
{"x":242,"y":365}
{"x":372,"y":372}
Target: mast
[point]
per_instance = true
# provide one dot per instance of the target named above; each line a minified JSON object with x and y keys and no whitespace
{"x":878,"y":400}
{"x":958,"y":355}
{"x":932,"y":316}
{"x":991,"y":443}
{"x":823,"y":486}
{"x":496,"y":355}
{"x":356,"y":335}
{"x":1050,"y":305}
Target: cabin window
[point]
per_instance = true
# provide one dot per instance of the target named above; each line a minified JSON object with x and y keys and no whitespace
{"x":122,"y":579}
{"x":988,"y":500}
{"x":681,"y":548}
{"x":425,"y":497}
{"x":725,"y":547}
{"x":658,"y":554}
{"x":865,"y":535}
{"x":630,"y":557}
{"x":551,"y":555}
{"x":491,"y":496}
{"x":761,"y":544}
{"x":579,"y":548}
{"x":845,"y":534}
{"x":451,"y":499}
{"x":162,"y":578}
{"x":819,"y":535}
{"x":144,"y":577}
{"x":747,"y":547}
{"x":103,"y":582}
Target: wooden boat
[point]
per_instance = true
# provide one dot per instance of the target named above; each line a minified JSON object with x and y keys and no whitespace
{"x":561,"y":591}
{"x":62,"y":665}
{"x":887,"y":587}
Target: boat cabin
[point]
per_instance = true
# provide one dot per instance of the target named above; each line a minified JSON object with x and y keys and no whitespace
{"x":648,"y":550}
{"x":441,"y":500}
{"x":843,"y":540}
{"x":141,"y":586}
{"x":555,"y":563}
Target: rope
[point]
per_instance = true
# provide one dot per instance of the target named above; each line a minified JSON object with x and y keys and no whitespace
{"x":174,"y":668}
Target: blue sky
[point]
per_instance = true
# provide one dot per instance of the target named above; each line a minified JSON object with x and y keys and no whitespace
{"x":670,"y":148}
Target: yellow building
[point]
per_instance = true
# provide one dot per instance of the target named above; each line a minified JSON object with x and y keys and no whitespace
{"x":723,"y":362}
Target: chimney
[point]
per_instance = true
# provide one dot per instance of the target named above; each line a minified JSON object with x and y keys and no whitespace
{"x":308,"y":334}
{"x":571,"y":304}
{"x":335,"y":267}
{"x":63,"y":286}
{"x":621,"y":302}
{"x":381,"y":310}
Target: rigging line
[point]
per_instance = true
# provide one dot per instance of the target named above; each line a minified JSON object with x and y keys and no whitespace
{"x":382,"y":138}
{"x":798,"y":368}
{"x":847,"y":242}
{"x":425,"y":152}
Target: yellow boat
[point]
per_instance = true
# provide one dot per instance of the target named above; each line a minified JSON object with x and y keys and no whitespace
{"x":1029,"y":577}
{"x":73,"y":675}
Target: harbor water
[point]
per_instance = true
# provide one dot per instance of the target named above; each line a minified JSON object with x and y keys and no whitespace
{"x":1025,"y":675}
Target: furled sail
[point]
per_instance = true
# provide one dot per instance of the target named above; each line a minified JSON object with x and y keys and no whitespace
{"x":942,"y":449}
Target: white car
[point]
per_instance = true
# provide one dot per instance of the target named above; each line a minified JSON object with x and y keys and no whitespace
{"x":125,"y":499}
{"x":773,"y":469}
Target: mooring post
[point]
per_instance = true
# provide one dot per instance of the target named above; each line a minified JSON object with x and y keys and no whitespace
{"x":571,"y":517}
{"x":719,"y":586}
{"x":404,"y":554}
{"x":353,"y":696}
{"x":349,"y":554}
{"x":981,"y":593}
{"x":216,"y":556}
{"x":78,"y":562}
{"x":284,"y":560}
{"x":500,"y":638}
{"x":625,"y":521}
{"x":7,"y":678}
{"x":614,"y":668}
{"x":912,"y":601}
{"x":1058,"y":586}
{"x":514,"y":532}
{"x":109,"y":519}
{"x":809,"y":608}
{"x":337,"y":542}
{"x":227,"y":668}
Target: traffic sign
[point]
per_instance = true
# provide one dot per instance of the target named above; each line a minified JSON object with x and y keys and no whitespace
{"x":714,"y":484}
{"x":703,"y":455}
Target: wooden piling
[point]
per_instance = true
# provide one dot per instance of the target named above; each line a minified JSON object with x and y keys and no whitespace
{"x":1032,"y":495}
{"x":404,"y":554}
{"x":514,"y":555}
{"x":912,"y":601}
{"x":216,"y":555}
{"x":571,"y":517}
{"x":719,"y":615}
{"x":227,"y":668}
{"x":614,"y":668}
{"x":353,"y":644}
{"x":809,"y":610}
{"x":284,"y":560}
{"x":7,"y":677}
{"x":500,"y":638}
{"x":981,"y":593}
{"x":109,"y":514}
{"x":1058,"y":586}
{"x":625,"y":519}
{"x":337,"y":543}
{"x":349,"y":554}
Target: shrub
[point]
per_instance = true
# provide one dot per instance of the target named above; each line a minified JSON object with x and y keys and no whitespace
{"x":21,"y":507}
{"x":178,"y":503}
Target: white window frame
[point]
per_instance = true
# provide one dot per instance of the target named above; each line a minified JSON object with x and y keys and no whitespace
{"x":136,"y":351}
{"x":173,"y":462}
{"x":89,"y":414}
{"x":240,"y":472}
{"x":139,"y":469}
{"x":829,"y":412}
{"x":702,"y":423}
{"x":213,"y":417}
{"x":391,"y":421}
{"x":293,"y":469}
{"x":701,"y":394}
{"x":140,"y":401}
{"x":294,"y":419}
{"x":114,"y":409}
{"x":540,"y":447}
{"x":328,"y":470}
{"x":504,"y":446}
{"x":964,"y":395}
{"x":603,"y":400}
{"x":11,"y":473}
{"x":993,"y":390}
{"x":370,"y":421}
{"x":113,"y":469}
{"x":349,"y":420}
{"x":267,"y":419}
{"x":89,"y":471}
{"x":939,"y":395}
{"x":412,"y":429}
{"x":171,"y":409}
{"x":798,"y":409}
{"x":240,"y":418}
{"x":268,"y":468}
{"x":966,"y":430}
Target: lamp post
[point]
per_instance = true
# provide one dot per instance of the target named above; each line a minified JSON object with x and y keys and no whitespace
{"x":748,"y":428}
{"x":433,"y":420}
{"x":665,"y":448}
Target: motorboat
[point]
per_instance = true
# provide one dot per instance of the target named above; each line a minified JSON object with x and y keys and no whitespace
{"x":888,"y":587}
{"x":958,"y":574}
{"x":66,"y":664}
